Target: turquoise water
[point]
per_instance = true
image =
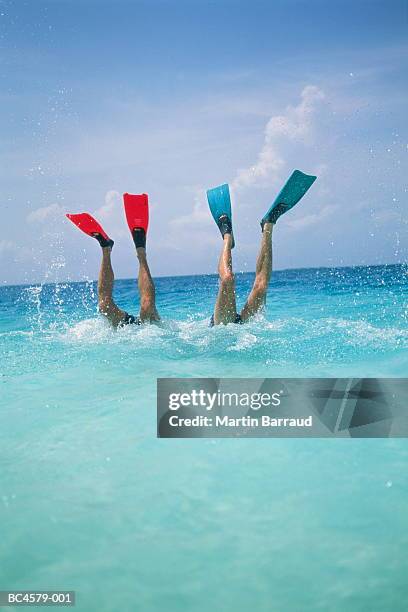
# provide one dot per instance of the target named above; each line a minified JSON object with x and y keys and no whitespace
{"x":92,"y":501}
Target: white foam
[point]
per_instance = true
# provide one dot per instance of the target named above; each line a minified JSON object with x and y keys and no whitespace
{"x":92,"y":331}
{"x":17,"y":332}
{"x":244,"y":341}
{"x":284,"y":334}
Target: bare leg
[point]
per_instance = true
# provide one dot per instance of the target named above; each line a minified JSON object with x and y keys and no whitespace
{"x":256,"y":298}
{"x":148,"y":311}
{"x":225,"y":310}
{"x":105,"y":287}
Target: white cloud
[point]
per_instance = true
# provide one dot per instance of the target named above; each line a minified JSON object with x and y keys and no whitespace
{"x":111,"y":215}
{"x":45,"y":213}
{"x":198,"y":215}
{"x":312,"y":219}
{"x":198,"y":223}
{"x":295,"y":124}
{"x":6,"y":246}
{"x":111,"y":206}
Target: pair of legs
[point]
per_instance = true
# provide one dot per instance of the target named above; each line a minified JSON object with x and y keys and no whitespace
{"x":107,"y":306}
{"x":225,"y":310}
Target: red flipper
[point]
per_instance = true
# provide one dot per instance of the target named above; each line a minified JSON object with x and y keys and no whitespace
{"x":136,"y":210}
{"x":88,"y":225}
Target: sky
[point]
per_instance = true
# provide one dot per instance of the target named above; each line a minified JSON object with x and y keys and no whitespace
{"x":174,"y":97}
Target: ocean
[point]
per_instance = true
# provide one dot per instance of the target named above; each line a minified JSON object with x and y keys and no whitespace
{"x":92,"y":501}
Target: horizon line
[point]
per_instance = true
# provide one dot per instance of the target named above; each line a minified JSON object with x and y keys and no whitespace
{"x":210,"y":274}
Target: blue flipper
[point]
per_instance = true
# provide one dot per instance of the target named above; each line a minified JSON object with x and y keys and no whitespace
{"x":219,"y":202}
{"x":294,"y":189}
